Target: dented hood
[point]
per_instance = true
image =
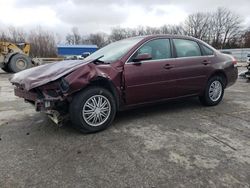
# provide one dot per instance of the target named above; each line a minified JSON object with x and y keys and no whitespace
{"x":37,"y":76}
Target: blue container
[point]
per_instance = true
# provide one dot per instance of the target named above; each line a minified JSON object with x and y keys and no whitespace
{"x":68,"y":50}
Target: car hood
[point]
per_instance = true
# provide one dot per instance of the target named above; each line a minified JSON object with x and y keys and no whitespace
{"x":37,"y":76}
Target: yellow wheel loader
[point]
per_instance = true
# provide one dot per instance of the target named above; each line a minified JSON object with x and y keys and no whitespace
{"x":14,"y":57}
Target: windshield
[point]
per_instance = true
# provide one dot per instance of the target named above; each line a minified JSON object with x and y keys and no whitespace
{"x":115,"y":50}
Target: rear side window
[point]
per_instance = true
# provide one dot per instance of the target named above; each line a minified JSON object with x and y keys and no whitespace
{"x":207,"y":51}
{"x":186,"y":48}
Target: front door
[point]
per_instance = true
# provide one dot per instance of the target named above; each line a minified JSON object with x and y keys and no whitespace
{"x":150,"y":80}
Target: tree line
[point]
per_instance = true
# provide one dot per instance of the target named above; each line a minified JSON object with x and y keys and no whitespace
{"x":221,"y":28}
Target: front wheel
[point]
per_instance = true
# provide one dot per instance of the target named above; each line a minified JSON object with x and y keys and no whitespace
{"x":214,"y":91}
{"x":92,"y":110}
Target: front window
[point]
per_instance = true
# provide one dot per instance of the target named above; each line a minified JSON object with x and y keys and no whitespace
{"x":158,"y":49}
{"x":115,"y":50}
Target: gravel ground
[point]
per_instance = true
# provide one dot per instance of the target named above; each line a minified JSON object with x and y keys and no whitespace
{"x":176,"y":144}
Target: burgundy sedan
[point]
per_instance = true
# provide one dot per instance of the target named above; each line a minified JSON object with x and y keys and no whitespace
{"x":124,"y":74}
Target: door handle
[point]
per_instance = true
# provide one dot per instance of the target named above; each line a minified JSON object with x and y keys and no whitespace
{"x":167,"y":66}
{"x":206,"y":62}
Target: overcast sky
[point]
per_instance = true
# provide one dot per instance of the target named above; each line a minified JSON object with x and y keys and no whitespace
{"x":92,"y":16}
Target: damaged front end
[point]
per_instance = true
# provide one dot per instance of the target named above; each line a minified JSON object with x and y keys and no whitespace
{"x":46,"y":88}
{"x":52,"y":94}
{"x":48,"y":99}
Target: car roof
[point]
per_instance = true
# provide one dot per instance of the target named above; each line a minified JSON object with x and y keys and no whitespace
{"x":155,"y":36}
{"x":164,"y":36}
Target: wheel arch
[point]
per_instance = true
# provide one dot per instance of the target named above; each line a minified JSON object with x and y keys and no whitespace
{"x":107,"y":84}
{"x":220,"y":73}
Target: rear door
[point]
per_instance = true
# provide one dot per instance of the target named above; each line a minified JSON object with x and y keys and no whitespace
{"x":150,"y":80}
{"x":191,"y":67}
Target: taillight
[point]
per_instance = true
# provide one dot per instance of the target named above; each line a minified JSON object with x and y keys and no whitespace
{"x":234,"y":62}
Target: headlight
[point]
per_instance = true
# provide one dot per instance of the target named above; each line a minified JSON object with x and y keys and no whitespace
{"x":64,"y":85}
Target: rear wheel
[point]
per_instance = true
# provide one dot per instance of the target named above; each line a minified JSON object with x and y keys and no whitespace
{"x":214,"y":91}
{"x":19,"y":62}
{"x":92,"y":110}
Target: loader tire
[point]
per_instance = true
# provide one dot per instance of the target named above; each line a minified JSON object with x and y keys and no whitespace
{"x":19,"y":62}
{"x":6,"y":69}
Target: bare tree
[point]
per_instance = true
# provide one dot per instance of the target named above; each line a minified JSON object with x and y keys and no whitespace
{"x":173,"y":29}
{"x":197,"y":25}
{"x":118,"y":34}
{"x":17,"y":35}
{"x":69,"y":39}
{"x":99,"y":39}
{"x":13,"y":34}
{"x":121,"y":33}
{"x":226,"y":27}
{"x":42,"y":43}
{"x":74,"y":37}
{"x":246,"y":39}
{"x":4,"y":37}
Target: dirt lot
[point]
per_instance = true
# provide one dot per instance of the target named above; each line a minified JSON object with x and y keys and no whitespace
{"x":177,"y":144}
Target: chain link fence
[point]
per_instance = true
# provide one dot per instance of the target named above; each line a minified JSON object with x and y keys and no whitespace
{"x":240,"y":53}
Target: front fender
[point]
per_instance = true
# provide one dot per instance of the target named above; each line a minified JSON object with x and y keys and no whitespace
{"x":82,"y":77}
{"x":79,"y":79}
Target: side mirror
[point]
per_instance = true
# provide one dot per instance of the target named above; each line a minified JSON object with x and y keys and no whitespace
{"x":142,"y":57}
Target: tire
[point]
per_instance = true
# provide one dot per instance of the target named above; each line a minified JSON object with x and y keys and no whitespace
{"x":82,"y":102}
{"x":247,"y":74}
{"x":207,"y":98}
{"x":6,"y":69}
{"x":19,"y":62}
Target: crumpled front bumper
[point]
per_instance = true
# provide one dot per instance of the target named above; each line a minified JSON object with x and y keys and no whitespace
{"x":28,"y":95}
{"x":41,"y":104}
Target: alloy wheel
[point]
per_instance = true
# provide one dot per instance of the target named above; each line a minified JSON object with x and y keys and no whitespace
{"x":96,"y":110}
{"x":215,"y":90}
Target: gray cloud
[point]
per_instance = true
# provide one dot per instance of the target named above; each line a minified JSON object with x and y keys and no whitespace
{"x":239,"y":6}
{"x":30,"y":3}
{"x":92,"y":2}
{"x":100,"y":15}
{"x":91,"y":14}
{"x":191,"y":5}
